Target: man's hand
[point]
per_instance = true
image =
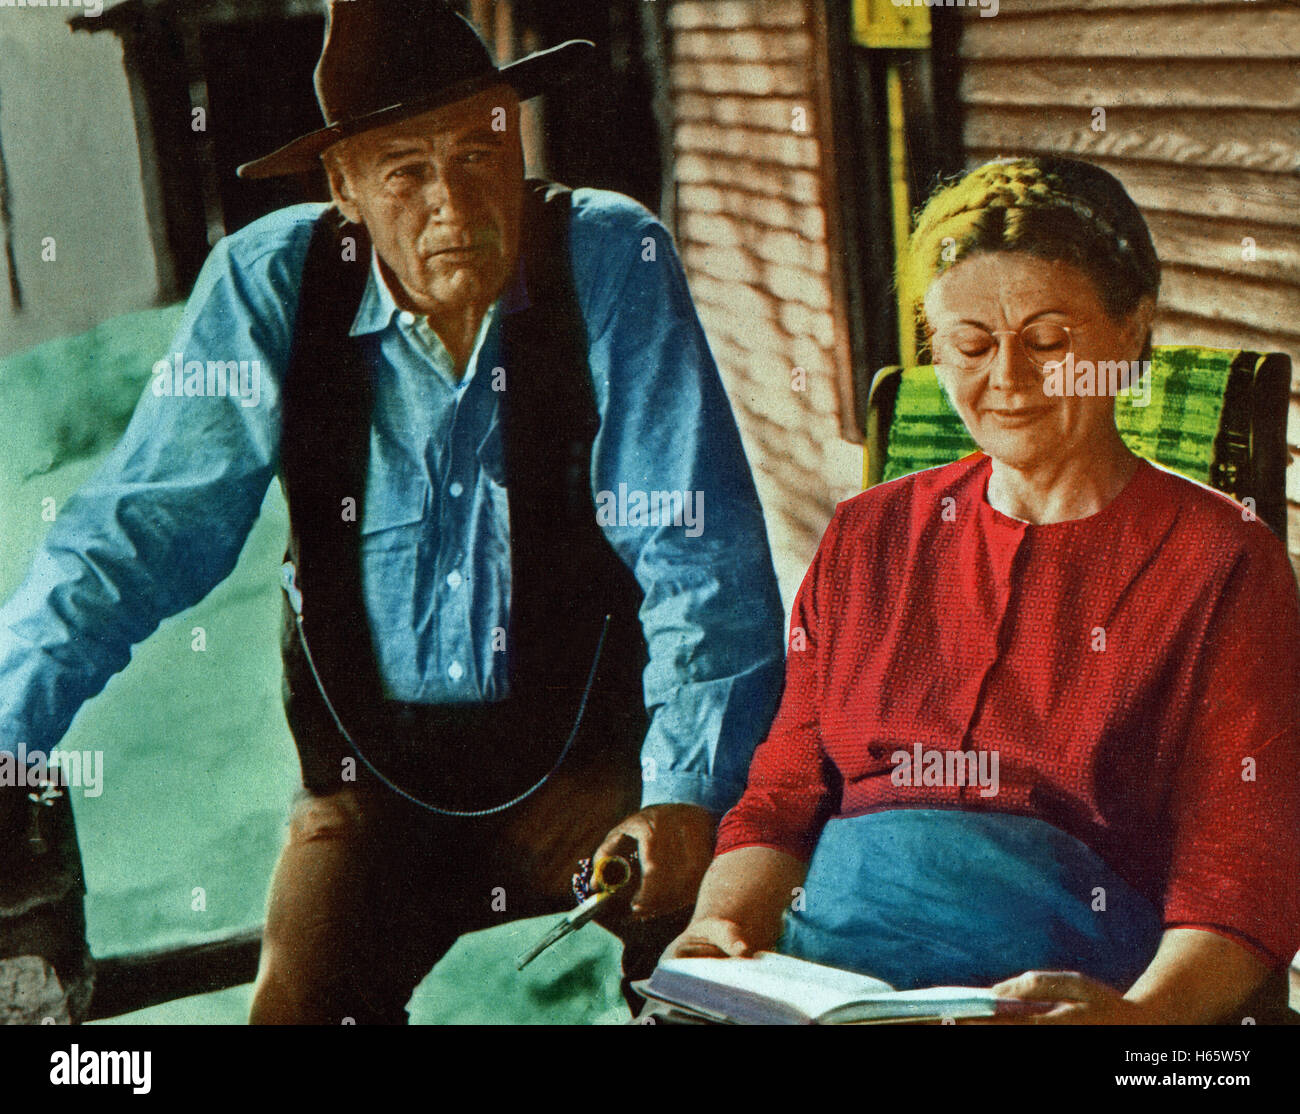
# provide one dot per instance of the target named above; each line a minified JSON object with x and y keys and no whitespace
{"x":1078,"y":1000}
{"x":674,"y":844}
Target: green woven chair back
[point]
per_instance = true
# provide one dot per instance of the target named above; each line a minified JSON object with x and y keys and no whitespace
{"x":1177,"y":428}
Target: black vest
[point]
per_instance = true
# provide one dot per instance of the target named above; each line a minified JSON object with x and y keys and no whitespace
{"x":565,"y":576}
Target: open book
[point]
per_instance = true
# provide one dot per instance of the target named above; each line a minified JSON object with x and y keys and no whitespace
{"x":772,"y":989}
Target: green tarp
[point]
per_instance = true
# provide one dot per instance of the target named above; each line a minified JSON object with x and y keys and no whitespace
{"x":199,"y":768}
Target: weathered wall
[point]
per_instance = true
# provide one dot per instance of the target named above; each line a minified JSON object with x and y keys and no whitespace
{"x":1202,"y":125}
{"x":753,"y":230}
{"x":74,"y":174}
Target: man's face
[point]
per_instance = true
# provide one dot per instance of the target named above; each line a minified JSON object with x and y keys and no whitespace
{"x":441,"y":195}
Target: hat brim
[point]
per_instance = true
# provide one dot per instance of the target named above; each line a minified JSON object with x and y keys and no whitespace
{"x":528,"y":77}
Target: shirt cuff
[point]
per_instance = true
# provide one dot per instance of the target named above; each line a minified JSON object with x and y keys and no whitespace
{"x":669,"y":787}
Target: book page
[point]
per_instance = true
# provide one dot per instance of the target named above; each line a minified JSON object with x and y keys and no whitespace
{"x":810,"y":987}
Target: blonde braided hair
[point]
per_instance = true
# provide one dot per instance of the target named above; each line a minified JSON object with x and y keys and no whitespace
{"x":1054,"y":208}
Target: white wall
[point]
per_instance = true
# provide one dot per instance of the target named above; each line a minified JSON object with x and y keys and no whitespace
{"x":69,"y":144}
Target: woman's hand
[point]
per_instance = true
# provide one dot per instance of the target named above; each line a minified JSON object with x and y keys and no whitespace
{"x":710,"y":938}
{"x":1197,"y":977}
{"x":741,"y":902}
{"x":1077,"y":1000}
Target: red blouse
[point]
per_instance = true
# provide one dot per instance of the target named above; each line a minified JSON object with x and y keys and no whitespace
{"x":1136,"y":672}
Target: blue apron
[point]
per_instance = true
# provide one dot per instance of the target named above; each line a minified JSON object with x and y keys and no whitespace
{"x":941,"y":897}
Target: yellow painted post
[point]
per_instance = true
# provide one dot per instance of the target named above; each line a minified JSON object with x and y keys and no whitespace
{"x":900,"y":199}
{"x":883,"y":25}
{"x":880,"y":24}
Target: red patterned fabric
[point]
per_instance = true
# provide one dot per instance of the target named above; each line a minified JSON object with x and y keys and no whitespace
{"x":1136,"y":673}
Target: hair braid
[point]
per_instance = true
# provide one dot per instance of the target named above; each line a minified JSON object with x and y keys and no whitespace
{"x":1055,"y":208}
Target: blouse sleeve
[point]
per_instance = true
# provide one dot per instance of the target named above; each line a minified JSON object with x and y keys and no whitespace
{"x":1235,"y":863}
{"x":792,"y":787}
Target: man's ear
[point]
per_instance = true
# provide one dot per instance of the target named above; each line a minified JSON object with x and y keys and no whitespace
{"x":340,"y":188}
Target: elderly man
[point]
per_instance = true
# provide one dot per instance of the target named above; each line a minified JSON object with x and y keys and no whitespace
{"x":530,"y":611}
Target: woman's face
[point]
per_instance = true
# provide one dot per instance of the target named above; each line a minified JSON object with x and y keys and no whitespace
{"x":1005,"y":403}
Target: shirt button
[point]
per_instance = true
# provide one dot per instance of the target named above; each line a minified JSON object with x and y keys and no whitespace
{"x":456,"y":490}
{"x":455,"y":579}
{"x":455,"y":671}
{"x":406,"y":317}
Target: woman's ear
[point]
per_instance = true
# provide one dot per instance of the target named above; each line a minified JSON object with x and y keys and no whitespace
{"x":1138,"y":325}
{"x":340,"y":188}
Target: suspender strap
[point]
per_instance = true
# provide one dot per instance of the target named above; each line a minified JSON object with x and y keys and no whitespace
{"x":565,"y":577}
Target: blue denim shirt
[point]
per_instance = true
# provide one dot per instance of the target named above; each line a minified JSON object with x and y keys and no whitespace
{"x":164,"y":518}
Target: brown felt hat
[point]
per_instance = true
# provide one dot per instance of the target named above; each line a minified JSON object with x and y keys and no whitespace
{"x":385,"y":60}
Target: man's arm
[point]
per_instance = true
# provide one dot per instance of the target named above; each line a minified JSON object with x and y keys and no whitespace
{"x":163,"y":519}
{"x":712,"y":614}
{"x":766,"y":841}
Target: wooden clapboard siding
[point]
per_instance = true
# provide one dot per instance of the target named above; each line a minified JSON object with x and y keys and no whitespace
{"x":1179,"y":328}
{"x":1130,"y":5}
{"x":1232,"y":137}
{"x":1197,"y":241}
{"x":1263,"y":306}
{"x":1029,"y":30}
{"x":1260,"y":198}
{"x":1215,"y":83}
{"x":1202,"y":125}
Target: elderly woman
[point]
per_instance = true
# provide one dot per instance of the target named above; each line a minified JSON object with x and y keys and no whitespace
{"x":1040,"y":726}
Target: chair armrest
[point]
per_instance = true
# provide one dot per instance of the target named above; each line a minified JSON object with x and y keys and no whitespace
{"x":880,"y":416}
